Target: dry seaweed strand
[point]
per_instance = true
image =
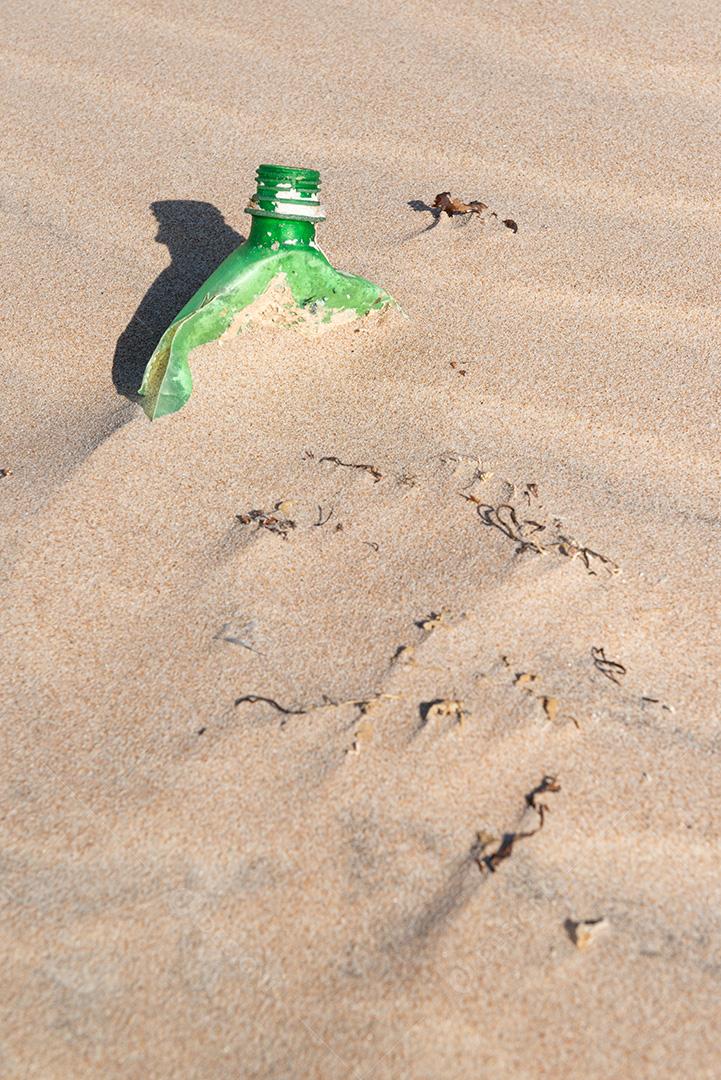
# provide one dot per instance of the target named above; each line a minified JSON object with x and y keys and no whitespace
{"x":254,"y":698}
{"x":548,"y":783}
{"x":375,"y":473}
{"x":570,"y":548}
{"x":504,"y":518}
{"x":612,"y":669}
{"x":364,"y":705}
{"x":489,"y":863}
{"x":323,"y":520}
{"x":646,"y":700}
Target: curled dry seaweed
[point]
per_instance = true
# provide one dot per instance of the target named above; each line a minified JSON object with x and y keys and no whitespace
{"x":505,"y":517}
{"x":374,"y":472}
{"x":489,"y":863}
{"x":506,"y":520}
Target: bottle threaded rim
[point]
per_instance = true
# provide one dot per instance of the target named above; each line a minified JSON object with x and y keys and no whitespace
{"x":286,"y":192}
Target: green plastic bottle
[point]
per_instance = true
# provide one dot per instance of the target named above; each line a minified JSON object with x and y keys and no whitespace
{"x":280,"y":248}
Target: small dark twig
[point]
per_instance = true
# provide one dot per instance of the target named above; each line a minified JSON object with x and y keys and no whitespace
{"x":323,"y":520}
{"x":612,"y":669}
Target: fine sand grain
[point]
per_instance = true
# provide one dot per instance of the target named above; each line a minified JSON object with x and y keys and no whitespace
{"x":362,"y":718}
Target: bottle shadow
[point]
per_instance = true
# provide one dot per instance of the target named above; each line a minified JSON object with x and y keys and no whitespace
{"x":198,"y":239}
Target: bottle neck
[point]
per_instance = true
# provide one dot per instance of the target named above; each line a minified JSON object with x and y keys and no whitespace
{"x":275,"y":233}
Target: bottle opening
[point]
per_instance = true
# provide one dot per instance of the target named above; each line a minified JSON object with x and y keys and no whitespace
{"x":285,"y":192}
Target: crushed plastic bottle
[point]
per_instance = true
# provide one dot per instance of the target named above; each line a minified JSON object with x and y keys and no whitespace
{"x":281,"y":256}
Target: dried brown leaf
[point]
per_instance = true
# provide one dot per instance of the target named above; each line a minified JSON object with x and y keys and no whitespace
{"x":445,"y":202}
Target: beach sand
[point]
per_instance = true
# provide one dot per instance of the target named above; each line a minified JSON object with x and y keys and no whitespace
{"x":256,"y":781}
